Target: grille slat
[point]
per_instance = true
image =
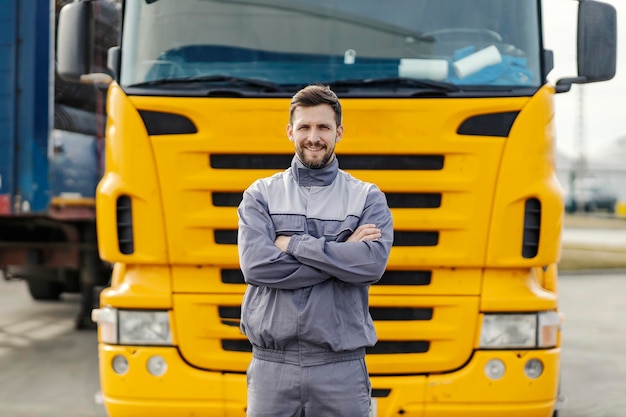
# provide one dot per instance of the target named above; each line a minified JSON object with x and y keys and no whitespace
{"x":381,"y":392}
{"x":227,"y":199}
{"x":411,"y":278}
{"x":378,"y":313}
{"x":347,"y":162}
{"x":394,"y":200}
{"x":236,"y":345}
{"x":382,"y":347}
{"x":226,"y":237}
{"x":232,"y":276}
{"x":229,"y":237}
{"x":413,"y":200}
{"x":387,"y":347}
{"x":401,"y":314}
{"x":405,"y":278}
{"x":415,"y":238}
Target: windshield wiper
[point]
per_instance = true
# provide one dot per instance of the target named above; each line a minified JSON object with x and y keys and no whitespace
{"x":398,"y":82}
{"x":225,"y":79}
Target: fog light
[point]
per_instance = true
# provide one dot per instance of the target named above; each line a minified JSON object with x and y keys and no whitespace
{"x":533,"y":368}
{"x":495,"y":369}
{"x":156,"y":365}
{"x":119,"y":364}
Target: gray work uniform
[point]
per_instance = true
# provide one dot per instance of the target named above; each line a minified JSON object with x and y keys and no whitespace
{"x":306,"y":311}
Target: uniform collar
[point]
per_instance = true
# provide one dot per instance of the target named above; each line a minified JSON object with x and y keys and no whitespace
{"x":308,"y":177}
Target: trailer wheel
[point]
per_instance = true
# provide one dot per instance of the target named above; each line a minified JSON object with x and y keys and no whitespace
{"x":44,"y":290}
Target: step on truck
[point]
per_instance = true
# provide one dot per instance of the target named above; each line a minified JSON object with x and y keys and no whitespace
{"x":448,"y":110}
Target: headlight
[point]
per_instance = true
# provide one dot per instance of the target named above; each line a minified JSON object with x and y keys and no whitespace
{"x":519,"y":331}
{"x":133,"y":327}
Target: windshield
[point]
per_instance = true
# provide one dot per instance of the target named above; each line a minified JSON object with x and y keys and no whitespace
{"x":274,"y":44}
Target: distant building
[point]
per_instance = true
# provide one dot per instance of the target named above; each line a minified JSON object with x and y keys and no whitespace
{"x":607,"y":166}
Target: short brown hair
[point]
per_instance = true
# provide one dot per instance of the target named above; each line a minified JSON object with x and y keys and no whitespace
{"x":314,"y":95}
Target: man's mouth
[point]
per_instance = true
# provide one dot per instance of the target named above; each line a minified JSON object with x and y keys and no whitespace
{"x":314,"y":149}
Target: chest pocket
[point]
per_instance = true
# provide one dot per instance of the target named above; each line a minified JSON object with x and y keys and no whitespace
{"x":289,"y":224}
{"x":340,"y":230}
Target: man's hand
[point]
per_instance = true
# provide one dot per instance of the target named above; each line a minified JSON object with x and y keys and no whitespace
{"x":361,"y":234}
{"x":282,"y":242}
{"x":365,"y":232}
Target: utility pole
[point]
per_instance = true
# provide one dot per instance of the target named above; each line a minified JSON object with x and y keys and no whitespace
{"x":580,"y":164}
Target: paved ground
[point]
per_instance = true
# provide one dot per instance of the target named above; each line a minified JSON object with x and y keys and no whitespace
{"x":47,"y":369}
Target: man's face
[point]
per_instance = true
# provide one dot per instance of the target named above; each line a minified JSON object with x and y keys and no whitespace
{"x":314,"y":132}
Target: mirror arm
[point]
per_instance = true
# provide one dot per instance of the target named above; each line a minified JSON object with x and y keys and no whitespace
{"x":564,"y":84}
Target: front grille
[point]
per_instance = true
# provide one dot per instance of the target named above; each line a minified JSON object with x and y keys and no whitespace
{"x":230,"y":316}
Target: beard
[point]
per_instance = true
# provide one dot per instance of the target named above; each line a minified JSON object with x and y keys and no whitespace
{"x":315,"y":163}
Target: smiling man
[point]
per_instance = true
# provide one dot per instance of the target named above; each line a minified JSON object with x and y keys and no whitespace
{"x":316,"y":129}
{"x":312,"y":239}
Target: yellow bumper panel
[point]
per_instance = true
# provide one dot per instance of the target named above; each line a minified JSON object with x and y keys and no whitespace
{"x":181,"y":391}
{"x":184,"y":391}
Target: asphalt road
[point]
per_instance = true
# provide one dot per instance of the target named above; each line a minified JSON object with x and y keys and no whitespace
{"x":594,"y":344}
{"x":48,"y":369}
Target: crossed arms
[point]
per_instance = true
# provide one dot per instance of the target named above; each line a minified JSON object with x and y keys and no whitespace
{"x":301,"y":260}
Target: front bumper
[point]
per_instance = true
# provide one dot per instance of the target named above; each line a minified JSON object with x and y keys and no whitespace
{"x":468,"y":392}
{"x":182,"y":391}
{"x":187,"y":391}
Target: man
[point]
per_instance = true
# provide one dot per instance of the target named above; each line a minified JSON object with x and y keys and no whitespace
{"x":312,"y":239}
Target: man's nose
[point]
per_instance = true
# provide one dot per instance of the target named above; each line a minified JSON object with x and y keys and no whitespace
{"x":316,"y":133}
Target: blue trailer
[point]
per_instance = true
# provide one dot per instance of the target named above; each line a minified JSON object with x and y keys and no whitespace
{"x":51,"y":133}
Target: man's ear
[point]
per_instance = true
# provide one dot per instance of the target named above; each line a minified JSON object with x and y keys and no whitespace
{"x":339,"y":133}
{"x":290,"y":132}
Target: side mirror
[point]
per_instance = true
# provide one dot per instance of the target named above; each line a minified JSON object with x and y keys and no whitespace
{"x":76,"y":44}
{"x":597,"y":41}
{"x":597,"y":44}
{"x":75,"y":40}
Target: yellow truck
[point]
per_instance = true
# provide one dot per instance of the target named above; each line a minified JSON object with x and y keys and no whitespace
{"x":447,"y":109}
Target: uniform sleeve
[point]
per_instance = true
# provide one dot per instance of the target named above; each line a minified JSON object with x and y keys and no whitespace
{"x":261,"y":262}
{"x":360,"y":263}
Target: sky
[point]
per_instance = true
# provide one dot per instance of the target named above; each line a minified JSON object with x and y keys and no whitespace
{"x":590,"y":118}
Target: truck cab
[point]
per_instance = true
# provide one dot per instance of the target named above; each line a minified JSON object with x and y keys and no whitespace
{"x":448,"y":110}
